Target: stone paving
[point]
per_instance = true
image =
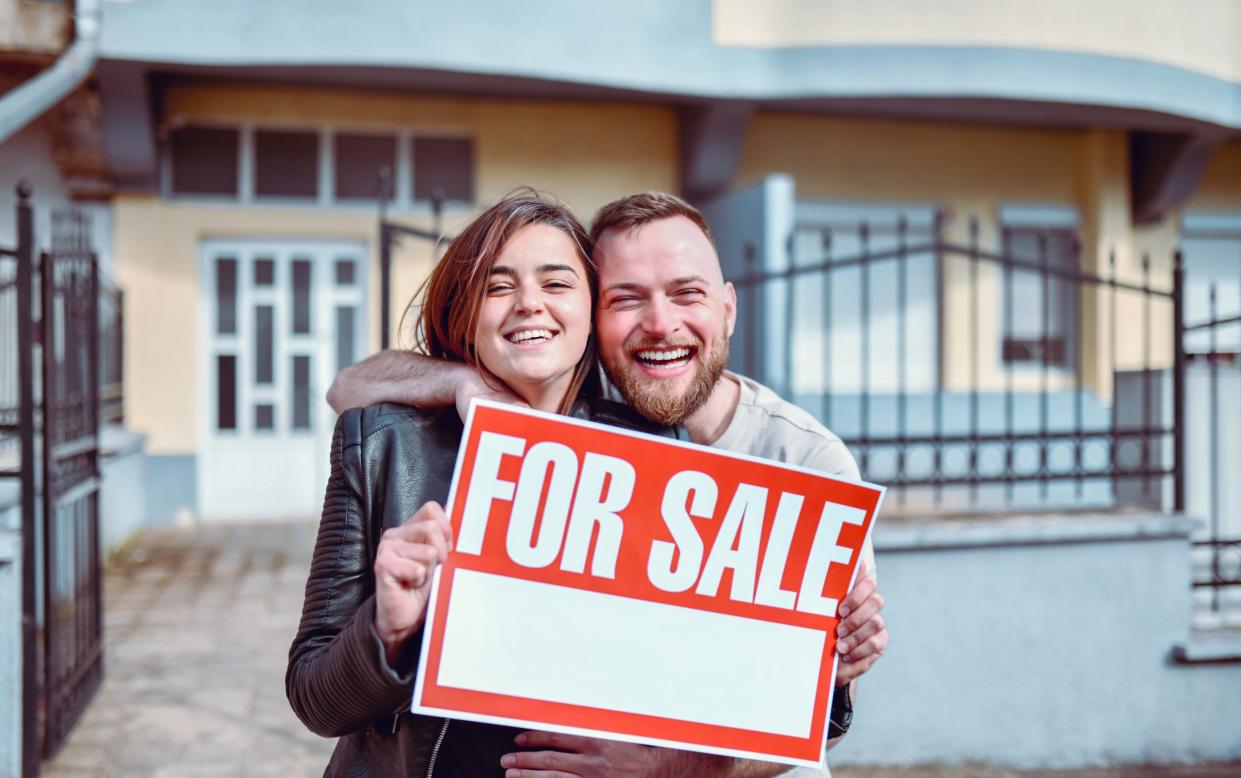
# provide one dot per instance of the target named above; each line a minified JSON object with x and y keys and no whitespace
{"x":198,"y":623}
{"x":197,"y":630}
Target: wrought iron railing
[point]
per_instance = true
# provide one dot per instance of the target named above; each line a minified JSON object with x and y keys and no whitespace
{"x":968,"y":378}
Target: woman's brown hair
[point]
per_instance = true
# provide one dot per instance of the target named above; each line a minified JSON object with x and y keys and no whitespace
{"x":453,"y":293}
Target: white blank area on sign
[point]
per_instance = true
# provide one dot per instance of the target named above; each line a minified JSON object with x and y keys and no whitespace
{"x":544,"y":642}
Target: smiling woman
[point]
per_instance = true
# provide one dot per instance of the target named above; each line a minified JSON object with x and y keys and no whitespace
{"x":512,"y":297}
{"x":534,"y":323}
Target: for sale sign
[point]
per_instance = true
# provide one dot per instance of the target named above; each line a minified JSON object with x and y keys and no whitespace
{"x":613,"y":584}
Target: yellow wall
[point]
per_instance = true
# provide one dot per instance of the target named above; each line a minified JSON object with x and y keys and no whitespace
{"x":586,"y":154}
{"x":1204,"y":39}
{"x":972,"y":170}
{"x":1220,"y":188}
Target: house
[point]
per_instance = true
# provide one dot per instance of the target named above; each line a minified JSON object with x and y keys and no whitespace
{"x":954,"y":230}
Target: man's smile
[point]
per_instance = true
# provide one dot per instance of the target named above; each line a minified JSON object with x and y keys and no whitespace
{"x":665,"y":358}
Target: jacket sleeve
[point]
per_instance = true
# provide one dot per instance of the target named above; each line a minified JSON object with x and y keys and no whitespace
{"x":338,"y":680}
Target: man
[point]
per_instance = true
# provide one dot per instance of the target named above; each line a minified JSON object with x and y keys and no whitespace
{"x":663,"y":320}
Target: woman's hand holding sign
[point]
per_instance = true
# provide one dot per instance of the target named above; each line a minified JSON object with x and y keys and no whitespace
{"x":404,"y":561}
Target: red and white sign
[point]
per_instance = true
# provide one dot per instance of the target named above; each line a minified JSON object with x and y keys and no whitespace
{"x":613,"y":584}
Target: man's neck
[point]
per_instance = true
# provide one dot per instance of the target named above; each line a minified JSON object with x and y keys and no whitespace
{"x":708,"y":423}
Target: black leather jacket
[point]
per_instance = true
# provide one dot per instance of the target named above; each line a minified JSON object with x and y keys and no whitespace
{"x":387,"y":461}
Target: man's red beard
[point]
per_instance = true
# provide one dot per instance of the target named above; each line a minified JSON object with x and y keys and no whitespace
{"x":651,"y":398}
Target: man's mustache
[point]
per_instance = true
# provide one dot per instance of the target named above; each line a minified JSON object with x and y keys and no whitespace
{"x":650,"y":343}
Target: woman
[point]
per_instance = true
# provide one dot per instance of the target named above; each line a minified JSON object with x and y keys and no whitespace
{"x":512,"y":297}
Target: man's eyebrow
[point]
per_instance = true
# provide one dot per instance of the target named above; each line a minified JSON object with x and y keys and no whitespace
{"x":627,"y":285}
{"x":688,"y":280}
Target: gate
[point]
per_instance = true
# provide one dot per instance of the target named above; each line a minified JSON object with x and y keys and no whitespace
{"x":49,"y":418}
{"x":73,"y":615}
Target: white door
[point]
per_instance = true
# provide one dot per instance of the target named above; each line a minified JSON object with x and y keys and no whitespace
{"x":280,"y":319}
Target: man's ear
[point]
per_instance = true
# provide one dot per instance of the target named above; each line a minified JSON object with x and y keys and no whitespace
{"x":730,"y":306}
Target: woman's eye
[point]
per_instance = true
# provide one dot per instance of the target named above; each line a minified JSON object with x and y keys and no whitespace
{"x":557,"y":284}
{"x":499,"y":288}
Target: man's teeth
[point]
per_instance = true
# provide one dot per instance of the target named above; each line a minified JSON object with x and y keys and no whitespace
{"x":525,"y":335}
{"x":665,"y":357}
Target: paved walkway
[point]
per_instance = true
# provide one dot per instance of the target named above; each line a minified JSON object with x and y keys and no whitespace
{"x":197,"y":632}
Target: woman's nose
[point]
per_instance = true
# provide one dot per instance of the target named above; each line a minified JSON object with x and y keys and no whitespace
{"x":529,"y":300}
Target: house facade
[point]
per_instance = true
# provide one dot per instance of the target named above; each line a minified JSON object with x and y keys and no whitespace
{"x":954,"y":229}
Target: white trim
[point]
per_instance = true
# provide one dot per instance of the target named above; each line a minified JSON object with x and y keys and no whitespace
{"x":1207,"y":223}
{"x":402,"y":177}
{"x":245,"y":164}
{"x":327,"y":165}
{"x":1052,"y":216}
{"x":918,"y":216}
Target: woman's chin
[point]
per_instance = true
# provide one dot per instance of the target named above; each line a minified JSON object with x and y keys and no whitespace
{"x":536,"y":387}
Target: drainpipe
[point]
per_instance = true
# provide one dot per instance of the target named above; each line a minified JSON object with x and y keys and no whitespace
{"x":27,"y":102}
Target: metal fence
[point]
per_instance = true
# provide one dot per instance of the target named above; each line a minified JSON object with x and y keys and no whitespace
{"x":961,"y":377}
{"x":54,"y":318}
{"x":1214,"y":371}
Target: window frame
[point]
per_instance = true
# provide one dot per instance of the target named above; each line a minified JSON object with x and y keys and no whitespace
{"x":1033,"y":218}
{"x":403,"y":201}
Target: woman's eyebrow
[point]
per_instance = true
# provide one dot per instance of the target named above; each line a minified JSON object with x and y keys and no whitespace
{"x":505,"y":270}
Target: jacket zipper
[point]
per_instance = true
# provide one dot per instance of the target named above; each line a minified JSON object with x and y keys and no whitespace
{"x":435,"y":750}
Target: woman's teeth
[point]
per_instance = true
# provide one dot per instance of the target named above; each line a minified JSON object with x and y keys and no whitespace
{"x":664,"y":359}
{"x":528,"y":335}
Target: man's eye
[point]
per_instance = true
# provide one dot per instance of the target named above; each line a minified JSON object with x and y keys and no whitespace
{"x":690,"y":294}
{"x":625,"y":300}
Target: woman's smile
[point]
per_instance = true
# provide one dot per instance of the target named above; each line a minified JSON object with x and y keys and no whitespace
{"x":535,"y":319}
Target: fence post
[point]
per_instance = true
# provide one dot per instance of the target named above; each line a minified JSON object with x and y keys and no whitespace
{"x":25,"y":373}
{"x":1178,"y":382}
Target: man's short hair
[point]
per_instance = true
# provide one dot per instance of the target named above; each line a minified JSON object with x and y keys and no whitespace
{"x":631,"y":212}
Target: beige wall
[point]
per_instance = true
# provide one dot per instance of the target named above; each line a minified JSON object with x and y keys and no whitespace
{"x":585,"y":154}
{"x":1199,"y":35}
{"x":35,"y":28}
{"x":972,"y":170}
{"x":1220,"y":188}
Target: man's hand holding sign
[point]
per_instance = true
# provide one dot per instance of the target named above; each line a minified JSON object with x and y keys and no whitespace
{"x":612,"y":585}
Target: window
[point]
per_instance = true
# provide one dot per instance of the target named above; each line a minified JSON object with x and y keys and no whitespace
{"x":301,"y":296}
{"x":360,"y":161}
{"x":226,"y":295}
{"x":204,"y":161}
{"x":319,"y":167}
{"x":226,"y":392}
{"x":1211,"y":243}
{"x":443,"y":167}
{"x":286,"y":164}
{"x":1041,"y":327}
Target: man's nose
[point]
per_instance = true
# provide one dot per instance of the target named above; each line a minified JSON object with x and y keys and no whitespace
{"x":660,"y":319}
